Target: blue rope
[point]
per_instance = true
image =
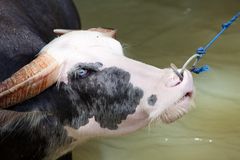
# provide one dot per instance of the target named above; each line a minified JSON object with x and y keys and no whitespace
{"x":201,"y":51}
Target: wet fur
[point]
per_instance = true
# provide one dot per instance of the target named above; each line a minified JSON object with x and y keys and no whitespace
{"x":26,"y":135}
{"x":106,"y":94}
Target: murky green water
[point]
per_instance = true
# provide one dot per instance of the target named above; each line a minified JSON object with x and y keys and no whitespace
{"x":159,"y":32}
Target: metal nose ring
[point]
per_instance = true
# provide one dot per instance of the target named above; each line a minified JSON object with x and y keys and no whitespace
{"x":175,"y":70}
{"x":180,"y":74}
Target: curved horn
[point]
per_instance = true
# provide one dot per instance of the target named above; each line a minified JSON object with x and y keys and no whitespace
{"x":29,"y":81}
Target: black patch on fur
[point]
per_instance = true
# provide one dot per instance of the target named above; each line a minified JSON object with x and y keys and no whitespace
{"x":107,"y":95}
{"x":152,"y":100}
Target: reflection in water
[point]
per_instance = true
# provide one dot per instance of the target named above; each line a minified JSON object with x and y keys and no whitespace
{"x":159,"y":32}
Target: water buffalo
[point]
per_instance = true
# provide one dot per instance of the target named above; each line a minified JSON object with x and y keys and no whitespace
{"x":78,"y":86}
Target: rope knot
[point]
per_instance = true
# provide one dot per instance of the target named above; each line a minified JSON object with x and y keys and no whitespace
{"x":226,"y":25}
{"x":200,"y":69}
{"x":201,"y":51}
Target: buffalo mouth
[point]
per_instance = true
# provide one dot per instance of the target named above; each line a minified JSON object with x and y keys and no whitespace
{"x":186,"y":97}
{"x":178,"y":109}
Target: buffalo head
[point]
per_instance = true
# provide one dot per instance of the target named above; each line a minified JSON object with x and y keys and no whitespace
{"x":112,"y":93}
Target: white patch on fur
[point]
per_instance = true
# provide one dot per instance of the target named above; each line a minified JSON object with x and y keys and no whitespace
{"x":91,"y":47}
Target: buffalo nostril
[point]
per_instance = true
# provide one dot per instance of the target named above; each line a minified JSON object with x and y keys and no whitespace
{"x":189,"y":94}
{"x":173,"y":81}
{"x":177,"y":84}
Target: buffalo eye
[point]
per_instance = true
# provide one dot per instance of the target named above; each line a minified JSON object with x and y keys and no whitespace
{"x":83,"y":72}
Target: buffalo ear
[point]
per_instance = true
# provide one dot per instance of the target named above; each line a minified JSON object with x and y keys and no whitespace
{"x":110,"y":32}
{"x":60,"y":32}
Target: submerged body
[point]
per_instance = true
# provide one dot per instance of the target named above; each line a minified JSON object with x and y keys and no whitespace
{"x":97,"y":91}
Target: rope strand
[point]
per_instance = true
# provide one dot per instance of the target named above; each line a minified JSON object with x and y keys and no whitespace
{"x":201,"y":51}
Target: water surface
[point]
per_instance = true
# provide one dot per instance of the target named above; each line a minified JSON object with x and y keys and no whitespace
{"x":159,"y":32}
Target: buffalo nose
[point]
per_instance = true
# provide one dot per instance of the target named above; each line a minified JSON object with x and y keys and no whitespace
{"x":172,"y":80}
